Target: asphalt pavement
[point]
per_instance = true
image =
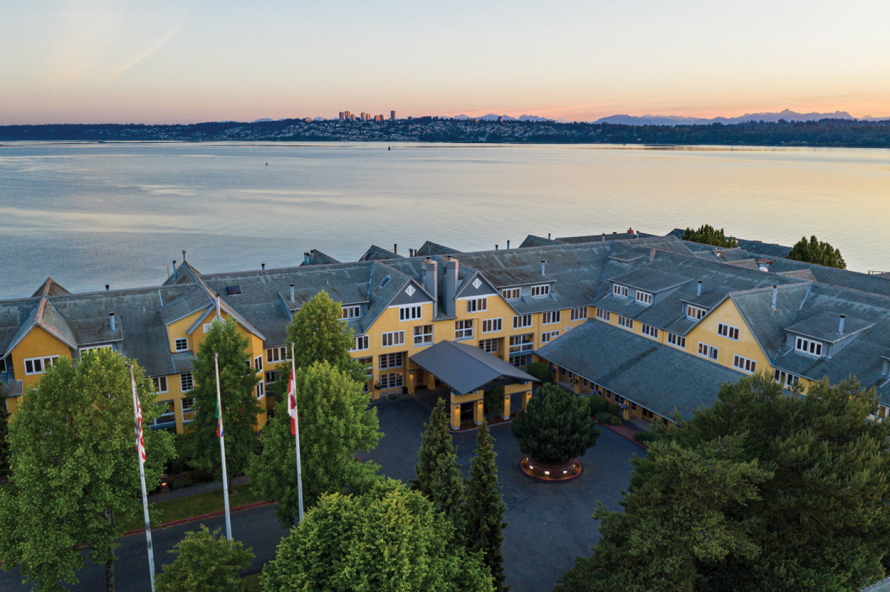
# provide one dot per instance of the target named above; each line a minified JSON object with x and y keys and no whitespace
{"x":549,"y":523}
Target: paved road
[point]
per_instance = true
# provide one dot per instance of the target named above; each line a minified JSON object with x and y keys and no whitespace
{"x":550,"y":523}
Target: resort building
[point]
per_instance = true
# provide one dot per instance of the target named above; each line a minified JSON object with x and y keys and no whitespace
{"x":655,"y":324}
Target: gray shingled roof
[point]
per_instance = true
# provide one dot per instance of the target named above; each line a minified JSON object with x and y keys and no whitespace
{"x":316,"y":257}
{"x":466,"y":368}
{"x":190,"y":302}
{"x":658,"y":377}
{"x":824,"y":327}
{"x":429,"y":248}
{"x":650,"y":280}
{"x":537,"y":241}
{"x":49,"y":288}
{"x":375,"y":253}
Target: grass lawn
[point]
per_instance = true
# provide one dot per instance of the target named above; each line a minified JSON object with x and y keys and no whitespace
{"x":193,"y":505}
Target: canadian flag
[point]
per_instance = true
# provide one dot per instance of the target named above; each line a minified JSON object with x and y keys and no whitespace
{"x":140,"y":438}
{"x":292,"y":401}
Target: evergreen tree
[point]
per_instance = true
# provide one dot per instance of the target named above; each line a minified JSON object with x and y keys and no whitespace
{"x":386,"y":540}
{"x":335,"y":422}
{"x":761,"y":491}
{"x":439,"y":476}
{"x":555,"y":427}
{"x":485,"y":508}
{"x":74,"y":469}
{"x":818,"y":252}
{"x":4,"y":435}
{"x":205,"y":562}
{"x":237,"y":382}
{"x":708,"y":235}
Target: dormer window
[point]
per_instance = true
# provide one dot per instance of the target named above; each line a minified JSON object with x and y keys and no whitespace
{"x":540,"y":291}
{"x":510,"y":293}
{"x":619,"y":290}
{"x":644,"y":297}
{"x":351,"y":312}
{"x":808,"y":346}
{"x":181,"y":344}
{"x":695,"y":312}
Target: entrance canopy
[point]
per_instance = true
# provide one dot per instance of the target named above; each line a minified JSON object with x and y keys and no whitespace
{"x":466,"y":368}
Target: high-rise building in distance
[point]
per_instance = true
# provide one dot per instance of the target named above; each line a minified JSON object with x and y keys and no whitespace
{"x":392,"y":115}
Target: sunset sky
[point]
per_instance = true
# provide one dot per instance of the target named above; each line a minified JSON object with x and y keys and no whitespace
{"x":163,"y":61}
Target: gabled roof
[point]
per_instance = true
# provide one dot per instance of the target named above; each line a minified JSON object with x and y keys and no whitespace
{"x":429,"y":248}
{"x":316,"y":257}
{"x":650,"y":280}
{"x":658,"y":377}
{"x":376,"y":253}
{"x":537,"y":241}
{"x":824,"y":327}
{"x":47,"y":318}
{"x":49,"y":288}
{"x":192,"y":301}
{"x":466,"y":368}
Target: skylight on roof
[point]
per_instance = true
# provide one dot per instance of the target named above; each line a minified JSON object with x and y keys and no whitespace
{"x":233,"y":290}
{"x":383,"y":281}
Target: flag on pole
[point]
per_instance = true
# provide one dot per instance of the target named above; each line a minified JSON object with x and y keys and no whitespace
{"x":140,"y":437}
{"x":219,"y":425}
{"x":292,"y":401}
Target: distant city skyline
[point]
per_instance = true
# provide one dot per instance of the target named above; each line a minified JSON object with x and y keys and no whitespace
{"x":111,"y":61}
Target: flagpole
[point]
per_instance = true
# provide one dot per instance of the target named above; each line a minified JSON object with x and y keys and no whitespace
{"x":222,"y":449}
{"x":297,"y":434}
{"x":140,"y":451}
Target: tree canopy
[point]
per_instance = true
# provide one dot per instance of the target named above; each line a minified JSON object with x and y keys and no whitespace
{"x":4,"y":436}
{"x":335,"y":423}
{"x":818,"y":252}
{"x":237,"y":382}
{"x":484,"y":516}
{"x":205,"y":562}
{"x":386,"y":540}
{"x":761,"y":491}
{"x":708,"y":235}
{"x":555,"y":427}
{"x":75,"y":473}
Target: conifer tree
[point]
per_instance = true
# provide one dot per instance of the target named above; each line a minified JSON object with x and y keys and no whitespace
{"x":438,"y":473}
{"x":485,"y":508}
{"x":818,"y":252}
{"x":4,"y":433}
{"x":555,"y":427}
{"x":708,"y":235}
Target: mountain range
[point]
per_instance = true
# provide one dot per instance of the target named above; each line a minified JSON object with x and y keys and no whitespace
{"x":786,"y":115}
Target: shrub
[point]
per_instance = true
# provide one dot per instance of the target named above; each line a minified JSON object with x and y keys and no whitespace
{"x":604,"y":417}
{"x":597,"y":404}
{"x":643,"y":437}
{"x":555,"y":427}
{"x":541,"y":372}
{"x":494,"y":400}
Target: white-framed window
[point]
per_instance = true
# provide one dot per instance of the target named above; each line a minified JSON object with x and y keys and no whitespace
{"x":521,"y":361}
{"x":522,"y":343}
{"x":258,"y":363}
{"x":644,"y":297}
{"x":708,"y":351}
{"x":423,"y":335}
{"x":744,"y":364}
{"x":728,"y":331}
{"x":167,"y":417}
{"x":650,"y":331}
{"x":83,"y":350}
{"x":39,"y":365}
{"x":368,"y":364}
{"x":271,"y":376}
{"x":393,"y":338}
{"x":185,"y":382}
{"x":488,"y":345}
{"x":808,"y":346}
{"x":181,"y":344}
{"x":548,"y":336}
{"x":411,"y":313}
{"x":492,"y":325}
{"x":351,"y":312}
{"x":625,"y":322}
{"x":578,"y":314}
{"x":463,"y":329}
{"x":786,"y":379}
{"x":160,"y":383}
{"x":551,"y":317}
{"x":522,"y":321}
{"x":695,"y":312}
{"x":604,"y":315}
{"x":540,"y":290}
{"x":510,"y":293}
{"x":360,"y":343}
{"x":391,"y":380}
{"x":385,"y":361}
{"x":276,"y":354}
{"x":188,"y":405}
{"x":260,"y":390}
{"x":477,"y":305}
{"x":619,"y":290}
{"x":676,"y":340}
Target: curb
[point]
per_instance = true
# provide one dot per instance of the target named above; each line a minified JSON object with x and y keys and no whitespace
{"x":475,"y":428}
{"x":202,"y":517}
{"x":640,"y":444}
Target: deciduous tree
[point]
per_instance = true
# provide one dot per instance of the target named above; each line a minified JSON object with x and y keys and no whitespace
{"x":4,"y":436}
{"x":75,"y":473}
{"x":761,"y":491}
{"x":205,"y":562}
{"x":335,"y":423}
{"x":555,"y":427}
{"x":388,"y":539}
{"x":485,"y":508}
{"x":818,"y":252}
{"x":237,"y":381}
{"x":438,"y":472}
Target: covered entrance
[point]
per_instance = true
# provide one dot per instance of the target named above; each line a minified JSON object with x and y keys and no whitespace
{"x":469,"y":372}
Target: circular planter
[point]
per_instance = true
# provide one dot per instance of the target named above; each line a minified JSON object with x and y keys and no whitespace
{"x":550,"y":473}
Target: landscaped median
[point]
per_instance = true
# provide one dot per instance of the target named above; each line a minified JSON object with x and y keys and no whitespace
{"x":194,"y":507}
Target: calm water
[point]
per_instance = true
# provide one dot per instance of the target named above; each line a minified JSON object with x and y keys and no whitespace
{"x":96,"y":214}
